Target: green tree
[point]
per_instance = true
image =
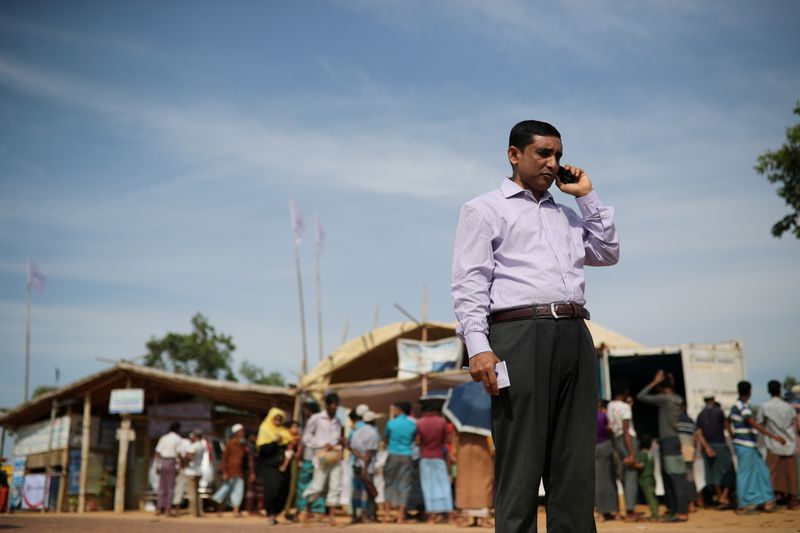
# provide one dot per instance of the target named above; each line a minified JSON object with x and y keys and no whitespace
{"x":203,"y":352}
{"x":254,"y":374}
{"x":43,"y":389}
{"x":783,"y":167}
{"x":788,"y":382}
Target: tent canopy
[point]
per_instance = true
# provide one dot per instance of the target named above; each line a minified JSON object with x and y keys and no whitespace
{"x":364,"y":370}
{"x":374,"y":354}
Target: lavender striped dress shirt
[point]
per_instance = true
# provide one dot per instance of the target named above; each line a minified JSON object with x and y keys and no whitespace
{"x":512,"y":251}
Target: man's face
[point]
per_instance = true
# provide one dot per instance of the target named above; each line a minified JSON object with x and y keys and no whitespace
{"x":537,"y":165}
{"x":331,"y":408}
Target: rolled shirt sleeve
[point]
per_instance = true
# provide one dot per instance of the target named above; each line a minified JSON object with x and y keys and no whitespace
{"x":600,"y":239}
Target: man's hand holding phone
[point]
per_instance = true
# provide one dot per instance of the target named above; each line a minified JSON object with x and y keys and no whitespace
{"x":573,"y":180}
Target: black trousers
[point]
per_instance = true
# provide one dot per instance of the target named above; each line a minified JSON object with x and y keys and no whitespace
{"x":673,"y":475}
{"x":544,"y":425}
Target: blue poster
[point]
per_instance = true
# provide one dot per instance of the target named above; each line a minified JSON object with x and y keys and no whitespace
{"x":74,"y":473}
{"x":17,"y":481}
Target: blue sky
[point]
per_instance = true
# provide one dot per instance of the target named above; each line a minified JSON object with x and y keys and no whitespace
{"x":148,"y":151}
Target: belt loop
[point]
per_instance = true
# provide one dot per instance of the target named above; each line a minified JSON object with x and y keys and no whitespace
{"x":575,"y":310}
{"x":534,"y":314}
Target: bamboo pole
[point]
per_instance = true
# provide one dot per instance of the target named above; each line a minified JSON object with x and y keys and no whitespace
{"x":87,"y":426}
{"x":319,"y":289}
{"x":346,"y":330}
{"x":304,"y":364}
{"x":28,"y":336}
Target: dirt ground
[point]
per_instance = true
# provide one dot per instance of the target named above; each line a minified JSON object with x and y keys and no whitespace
{"x":705,"y":521}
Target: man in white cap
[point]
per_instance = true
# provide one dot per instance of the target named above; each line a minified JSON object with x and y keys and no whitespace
{"x":364,"y":446}
{"x":232,"y":472}
{"x":361,"y":409}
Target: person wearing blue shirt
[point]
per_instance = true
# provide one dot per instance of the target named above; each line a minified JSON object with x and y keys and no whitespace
{"x":399,"y":470}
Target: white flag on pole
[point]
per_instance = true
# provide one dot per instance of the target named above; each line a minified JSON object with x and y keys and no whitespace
{"x":320,"y":236}
{"x":36,"y":278}
{"x":297,"y":222}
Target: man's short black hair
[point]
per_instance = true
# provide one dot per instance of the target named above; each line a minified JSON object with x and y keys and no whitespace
{"x":522,"y":133}
{"x":405,"y":407}
{"x":744,"y":388}
{"x":429,"y":407}
{"x":175,"y":427}
{"x":645,"y":441}
{"x":669,"y":381}
{"x":774,"y":388}
{"x":619,"y":387}
{"x":312,"y":406}
{"x":331,"y":397}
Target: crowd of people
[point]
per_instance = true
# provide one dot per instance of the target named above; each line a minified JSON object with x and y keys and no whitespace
{"x":420,"y":468}
{"x":624,"y":458}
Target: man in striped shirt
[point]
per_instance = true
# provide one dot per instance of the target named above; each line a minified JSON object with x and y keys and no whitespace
{"x":518,"y":288}
{"x":753,"y":485}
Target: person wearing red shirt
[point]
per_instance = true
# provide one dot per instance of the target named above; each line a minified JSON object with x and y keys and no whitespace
{"x":434,"y":477}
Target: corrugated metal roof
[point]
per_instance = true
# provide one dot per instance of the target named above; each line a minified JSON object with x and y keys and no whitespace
{"x":244,"y":395}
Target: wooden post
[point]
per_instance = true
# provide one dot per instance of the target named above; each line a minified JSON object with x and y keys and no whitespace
{"x":146,"y":462}
{"x":49,"y":470}
{"x":297,"y":406}
{"x":125,"y":436}
{"x":87,"y":426}
{"x":62,"y":486}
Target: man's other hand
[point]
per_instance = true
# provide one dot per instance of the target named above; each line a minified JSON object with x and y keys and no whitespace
{"x":481,"y":368}
{"x":580,"y":187}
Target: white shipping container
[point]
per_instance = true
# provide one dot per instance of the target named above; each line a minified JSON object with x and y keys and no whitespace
{"x":700,"y":370}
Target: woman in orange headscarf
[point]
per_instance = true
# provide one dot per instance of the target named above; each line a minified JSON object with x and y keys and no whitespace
{"x":271,"y":443}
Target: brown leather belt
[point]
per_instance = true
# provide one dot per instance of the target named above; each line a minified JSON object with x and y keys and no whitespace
{"x":553,"y":310}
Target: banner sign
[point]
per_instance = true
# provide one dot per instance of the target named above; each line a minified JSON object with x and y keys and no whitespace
{"x":126,"y":401}
{"x":183,"y":410}
{"x":416,"y":357}
{"x":35,"y":438}
{"x":34,"y":491}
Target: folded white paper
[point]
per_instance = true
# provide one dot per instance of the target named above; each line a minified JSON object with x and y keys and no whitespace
{"x":502,"y":375}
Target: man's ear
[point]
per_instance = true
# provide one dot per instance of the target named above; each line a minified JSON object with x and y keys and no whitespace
{"x":514,"y":155}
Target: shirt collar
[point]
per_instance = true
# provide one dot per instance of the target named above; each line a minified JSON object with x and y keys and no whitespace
{"x":509,"y":188}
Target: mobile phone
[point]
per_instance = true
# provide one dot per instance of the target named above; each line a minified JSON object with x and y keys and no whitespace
{"x":565,"y":175}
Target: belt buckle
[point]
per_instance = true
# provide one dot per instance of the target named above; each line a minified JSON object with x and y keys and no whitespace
{"x":556,"y":316}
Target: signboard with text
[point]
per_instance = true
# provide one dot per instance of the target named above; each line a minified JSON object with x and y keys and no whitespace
{"x":126,"y":401}
{"x":415,"y":358}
